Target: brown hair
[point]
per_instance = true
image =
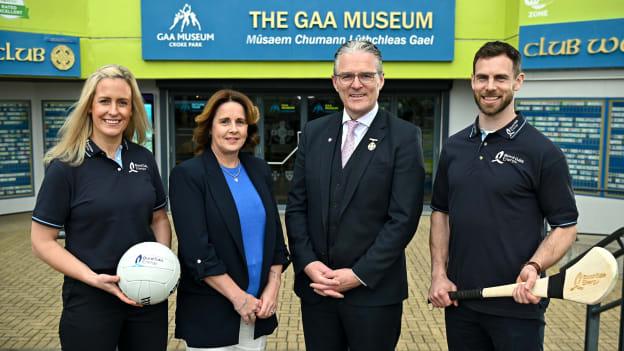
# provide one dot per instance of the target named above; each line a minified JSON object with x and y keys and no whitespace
{"x":201,"y":133}
{"x":497,"y":48}
{"x":78,"y":126}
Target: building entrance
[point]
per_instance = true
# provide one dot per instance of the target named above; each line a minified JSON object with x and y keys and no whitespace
{"x":283,"y":115}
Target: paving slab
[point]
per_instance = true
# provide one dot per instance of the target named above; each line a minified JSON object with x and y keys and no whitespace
{"x":30,"y":302}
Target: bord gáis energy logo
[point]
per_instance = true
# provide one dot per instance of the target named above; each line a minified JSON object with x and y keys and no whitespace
{"x":185,"y":30}
{"x":503,"y":157}
{"x":142,"y":260}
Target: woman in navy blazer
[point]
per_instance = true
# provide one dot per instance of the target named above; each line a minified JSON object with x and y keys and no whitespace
{"x":230,"y":240}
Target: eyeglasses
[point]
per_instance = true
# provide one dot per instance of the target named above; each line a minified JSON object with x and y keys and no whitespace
{"x":349,"y":78}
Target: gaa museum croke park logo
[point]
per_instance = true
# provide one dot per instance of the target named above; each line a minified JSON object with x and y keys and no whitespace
{"x":184,"y":30}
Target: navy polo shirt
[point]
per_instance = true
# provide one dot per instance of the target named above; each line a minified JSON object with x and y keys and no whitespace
{"x":104,"y":208}
{"x":497,"y":193}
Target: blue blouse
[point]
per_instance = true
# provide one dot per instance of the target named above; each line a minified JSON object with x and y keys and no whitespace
{"x":252,"y":216}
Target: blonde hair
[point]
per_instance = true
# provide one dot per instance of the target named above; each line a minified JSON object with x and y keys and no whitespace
{"x":78,"y":126}
{"x":201,"y":133}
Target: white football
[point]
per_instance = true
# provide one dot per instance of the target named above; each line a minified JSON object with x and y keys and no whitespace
{"x":149,"y":272}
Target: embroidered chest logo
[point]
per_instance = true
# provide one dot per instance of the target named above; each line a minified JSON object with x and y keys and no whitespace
{"x":503,"y":157}
{"x":137,"y":167}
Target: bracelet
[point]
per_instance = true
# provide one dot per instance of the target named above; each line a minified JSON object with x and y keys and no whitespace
{"x":535,"y":265}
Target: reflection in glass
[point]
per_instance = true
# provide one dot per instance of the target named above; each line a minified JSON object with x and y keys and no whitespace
{"x":281,"y":123}
{"x":319,"y":106}
{"x":281,"y":118}
{"x":385,"y":104}
{"x":186,"y":108}
{"x":148,"y":101}
{"x":420,"y":110}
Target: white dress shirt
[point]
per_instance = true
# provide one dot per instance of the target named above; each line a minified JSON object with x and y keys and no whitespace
{"x":364,"y":123}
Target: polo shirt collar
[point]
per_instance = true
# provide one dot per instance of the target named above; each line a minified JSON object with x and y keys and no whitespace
{"x":510,"y":131}
{"x":91,"y":149}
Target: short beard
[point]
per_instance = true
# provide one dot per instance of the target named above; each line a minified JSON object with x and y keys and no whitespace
{"x":506,"y":101}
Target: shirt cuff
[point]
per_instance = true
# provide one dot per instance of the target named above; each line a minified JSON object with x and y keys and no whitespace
{"x":564,"y":225}
{"x":46,"y":223}
{"x":358,"y":278}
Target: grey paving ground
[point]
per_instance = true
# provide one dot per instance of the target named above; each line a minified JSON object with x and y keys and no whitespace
{"x":30,"y":303}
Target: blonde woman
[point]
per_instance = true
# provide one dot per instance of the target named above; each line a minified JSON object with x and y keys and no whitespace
{"x":106,"y":193}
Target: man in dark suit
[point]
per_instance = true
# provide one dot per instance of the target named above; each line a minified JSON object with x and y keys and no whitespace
{"x":354,"y":206}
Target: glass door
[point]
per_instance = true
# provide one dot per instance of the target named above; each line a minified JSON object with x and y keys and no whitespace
{"x":281,"y":117}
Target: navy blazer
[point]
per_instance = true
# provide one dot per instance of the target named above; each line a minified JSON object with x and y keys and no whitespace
{"x":381,"y":207}
{"x":210,"y":243}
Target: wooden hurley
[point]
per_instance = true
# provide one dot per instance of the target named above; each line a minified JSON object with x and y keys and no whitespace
{"x":588,"y":281}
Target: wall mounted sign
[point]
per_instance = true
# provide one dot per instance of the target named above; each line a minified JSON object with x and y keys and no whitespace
{"x":16,"y":171}
{"x":278,"y":30}
{"x":590,"y":44}
{"x":54,"y":114}
{"x":30,"y":54}
{"x":13,"y":9}
{"x":590,"y":132}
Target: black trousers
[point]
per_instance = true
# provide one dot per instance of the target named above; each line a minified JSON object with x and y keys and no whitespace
{"x":467,"y":329}
{"x":95,"y":320}
{"x":333,"y":325}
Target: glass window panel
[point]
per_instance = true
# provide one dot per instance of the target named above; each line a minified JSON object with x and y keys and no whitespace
{"x":281,"y":120}
{"x":148,"y":101}
{"x":281,"y":117}
{"x":185,"y":110}
{"x":420,"y":110}
{"x":385,"y":103}
{"x":319,"y":106}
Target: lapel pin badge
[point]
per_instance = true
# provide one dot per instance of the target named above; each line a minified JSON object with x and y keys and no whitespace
{"x":372,"y":145}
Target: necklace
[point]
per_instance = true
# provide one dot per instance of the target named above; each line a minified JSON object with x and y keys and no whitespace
{"x":235,"y":174}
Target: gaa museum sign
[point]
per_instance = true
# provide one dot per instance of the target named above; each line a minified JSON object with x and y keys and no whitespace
{"x":288,"y":30}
